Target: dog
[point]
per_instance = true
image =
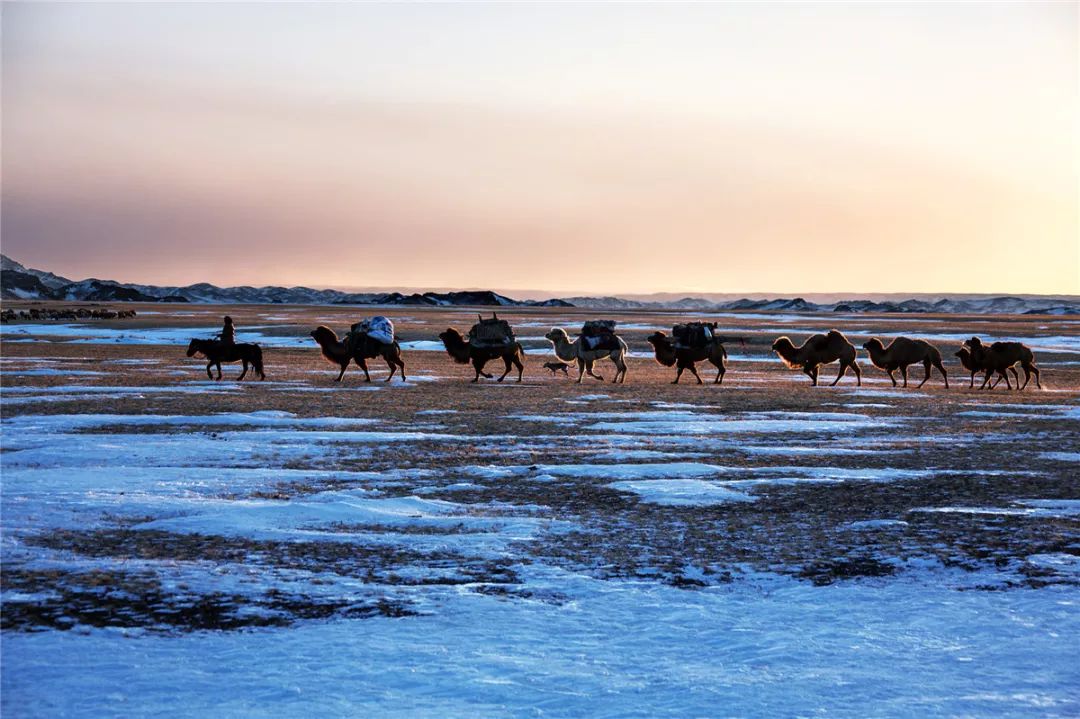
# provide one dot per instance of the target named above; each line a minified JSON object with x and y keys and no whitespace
{"x":556,"y":367}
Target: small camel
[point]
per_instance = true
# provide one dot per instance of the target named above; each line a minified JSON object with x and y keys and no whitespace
{"x":341,"y":352}
{"x":964,"y":353}
{"x":684,"y":358}
{"x":463,"y":351}
{"x":1002,"y":355}
{"x":903,"y":352}
{"x":575,"y":352}
{"x":818,"y":350}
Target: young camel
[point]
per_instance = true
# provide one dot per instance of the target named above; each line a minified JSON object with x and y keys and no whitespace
{"x":684,"y":358}
{"x":575,"y":351}
{"x":819,"y":350}
{"x":903,"y":352}
{"x":464,"y":352}
{"x":1001,"y":356}
{"x":969,"y":364}
{"x":341,"y":352}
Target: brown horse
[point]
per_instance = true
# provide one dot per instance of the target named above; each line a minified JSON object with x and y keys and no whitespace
{"x":684,"y":358}
{"x":359,"y":350}
{"x":216,"y":353}
{"x":819,"y":350}
{"x":464,"y":352}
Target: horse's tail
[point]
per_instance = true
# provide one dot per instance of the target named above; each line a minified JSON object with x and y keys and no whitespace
{"x":256,"y":360}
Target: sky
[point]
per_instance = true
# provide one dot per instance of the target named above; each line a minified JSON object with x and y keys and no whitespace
{"x":569,"y":147}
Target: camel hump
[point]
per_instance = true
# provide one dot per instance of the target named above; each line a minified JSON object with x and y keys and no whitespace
{"x":837,"y":335}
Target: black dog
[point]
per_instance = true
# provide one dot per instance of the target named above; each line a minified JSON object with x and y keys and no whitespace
{"x":556,"y":366}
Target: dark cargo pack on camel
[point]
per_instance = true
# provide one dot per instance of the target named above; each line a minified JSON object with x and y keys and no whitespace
{"x":600,"y":335}
{"x":491,"y":332}
{"x":694,"y":335}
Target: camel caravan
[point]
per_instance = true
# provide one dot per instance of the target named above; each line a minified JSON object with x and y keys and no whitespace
{"x":491,"y":339}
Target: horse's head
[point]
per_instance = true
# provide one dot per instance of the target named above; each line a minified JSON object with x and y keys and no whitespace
{"x":193,"y":348}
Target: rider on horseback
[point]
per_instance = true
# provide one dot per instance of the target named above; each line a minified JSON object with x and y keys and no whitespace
{"x":228,"y":333}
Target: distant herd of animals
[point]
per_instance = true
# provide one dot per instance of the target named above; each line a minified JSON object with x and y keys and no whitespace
{"x":493,"y":339}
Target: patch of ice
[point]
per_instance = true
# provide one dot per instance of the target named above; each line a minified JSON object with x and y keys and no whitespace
{"x":681,"y":492}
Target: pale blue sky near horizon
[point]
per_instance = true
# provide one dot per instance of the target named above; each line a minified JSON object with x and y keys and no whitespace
{"x":591,"y":147}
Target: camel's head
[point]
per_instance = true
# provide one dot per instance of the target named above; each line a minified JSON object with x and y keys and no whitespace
{"x":557,"y":334}
{"x":451,"y":336}
{"x":782,"y":343}
{"x":324,"y":335}
{"x":657,"y":338}
{"x":974,"y":343}
{"x":873,"y":345}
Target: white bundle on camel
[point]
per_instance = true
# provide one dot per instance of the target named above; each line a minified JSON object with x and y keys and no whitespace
{"x":378,"y":328}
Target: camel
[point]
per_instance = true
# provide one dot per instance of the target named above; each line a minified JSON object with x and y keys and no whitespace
{"x":818,"y":350}
{"x":464,"y":352}
{"x":903,"y":352}
{"x":1001,"y":356}
{"x":684,"y":358}
{"x":964,"y":353}
{"x":574,"y":352}
{"x":359,"y":350}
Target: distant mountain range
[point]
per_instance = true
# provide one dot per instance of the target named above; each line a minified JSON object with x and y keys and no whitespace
{"x":20,"y":282}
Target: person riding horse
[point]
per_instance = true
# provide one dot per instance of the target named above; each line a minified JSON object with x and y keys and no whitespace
{"x":228,"y":333}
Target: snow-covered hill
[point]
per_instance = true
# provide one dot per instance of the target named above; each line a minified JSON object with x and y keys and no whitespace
{"x":20,"y":282}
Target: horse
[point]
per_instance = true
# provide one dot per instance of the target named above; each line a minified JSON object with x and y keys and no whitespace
{"x":215,"y":353}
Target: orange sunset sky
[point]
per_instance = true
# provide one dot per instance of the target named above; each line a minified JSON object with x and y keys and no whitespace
{"x":581,"y":147}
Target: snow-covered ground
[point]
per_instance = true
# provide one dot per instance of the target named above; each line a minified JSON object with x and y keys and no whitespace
{"x":629,"y":552}
{"x":484,"y":631}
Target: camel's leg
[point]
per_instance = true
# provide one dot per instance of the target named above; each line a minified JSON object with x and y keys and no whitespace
{"x":891,"y":377}
{"x":244,"y":372}
{"x":858,"y":373}
{"x":342,"y":372}
{"x":363,"y":365}
{"x":520,"y":366}
{"x":972,"y":385}
{"x":506,"y":368}
{"x":693,"y":371}
{"x":209,"y":375}
{"x":926,"y":366}
{"x":678,"y":374}
{"x":1016,"y":375}
{"x":720,"y":372}
{"x":1030,"y":369}
{"x":987,"y":379}
{"x":591,"y":373}
{"x":840,"y":374}
{"x":903,"y":373}
{"x":580,"y":371}
{"x":393,"y":369}
{"x":620,"y":369}
{"x":478,"y":365}
{"x":944,"y":374}
{"x":401,"y":365}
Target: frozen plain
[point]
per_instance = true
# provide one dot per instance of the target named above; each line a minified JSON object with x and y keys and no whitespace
{"x":758,"y":549}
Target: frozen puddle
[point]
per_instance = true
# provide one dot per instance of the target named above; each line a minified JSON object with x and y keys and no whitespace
{"x":1051,"y":508}
{"x":682,"y":492}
